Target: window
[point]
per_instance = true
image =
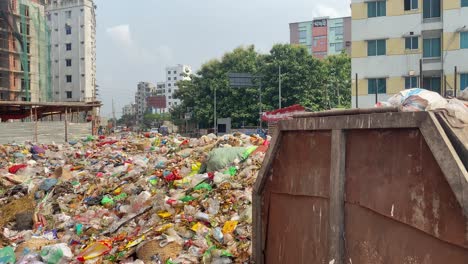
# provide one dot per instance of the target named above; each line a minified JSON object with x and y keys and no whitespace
{"x":69,"y":95}
{"x":170,"y":97}
{"x":170,"y":103}
{"x":431,"y":48}
{"x":464,"y":40}
{"x":175,"y":72}
{"x":169,"y":72}
{"x":169,"y":78}
{"x":337,"y":30}
{"x":68,"y":62}
{"x":463,"y":81}
{"x":380,"y":84}
{"x":175,"y":78}
{"x":302,"y":34}
{"x":169,"y":90}
{"x":49,"y":17}
{"x":411,"y":82}
{"x":411,"y":43}
{"x":68,"y":29}
{"x":432,"y":84}
{"x":339,"y":47}
{"x":169,"y":84}
{"x":68,"y":46}
{"x":431,"y":8}
{"x":69,"y":78}
{"x":411,"y":5}
{"x":464,"y":3}
{"x":68,"y":14}
{"x":376,"y":9}
{"x":376,"y":47}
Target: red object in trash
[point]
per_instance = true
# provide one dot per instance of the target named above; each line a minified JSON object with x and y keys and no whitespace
{"x":15,"y":168}
{"x":283,"y":113}
{"x":110,"y":142}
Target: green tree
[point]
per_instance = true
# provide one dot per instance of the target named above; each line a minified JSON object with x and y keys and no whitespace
{"x":155,"y":120}
{"x":315,"y":84}
{"x":338,"y":85}
{"x":127,"y":120}
{"x":302,"y":77}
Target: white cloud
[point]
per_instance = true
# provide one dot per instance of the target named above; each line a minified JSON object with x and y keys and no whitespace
{"x":331,"y":9}
{"x":121,"y":34}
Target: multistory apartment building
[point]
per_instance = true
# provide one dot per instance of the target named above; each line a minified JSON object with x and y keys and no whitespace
{"x":323,"y":36}
{"x":73,"y":49}
{"x":400,"y":44}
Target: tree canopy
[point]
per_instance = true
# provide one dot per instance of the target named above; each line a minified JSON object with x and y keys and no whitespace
{"x":313,"y":83}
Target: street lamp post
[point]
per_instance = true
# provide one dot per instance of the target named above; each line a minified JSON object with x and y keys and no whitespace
{"x":279,"y":86}
{"x":215,"y":120}
{"x":242,"y":80}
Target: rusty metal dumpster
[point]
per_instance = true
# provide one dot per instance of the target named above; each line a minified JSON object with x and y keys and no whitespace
{"x":363,"y":187}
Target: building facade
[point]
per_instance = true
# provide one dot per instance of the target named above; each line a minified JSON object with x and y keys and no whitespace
{"x":144,"y":91}
{"x":175,"y":74}
{"x":24,"y":52}
{"x":129,"y":110}
{"x":323,"y":36}
{"x":73,"y":49}
{"x":405,"y":44}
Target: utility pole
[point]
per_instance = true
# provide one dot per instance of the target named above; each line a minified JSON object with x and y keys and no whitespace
{"x":214,"y":123}
{"x":113,"y":114}
{"x":279,"y":84}
{"x":261,"y":109}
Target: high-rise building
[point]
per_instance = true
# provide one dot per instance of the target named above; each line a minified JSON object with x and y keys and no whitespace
{"x":409,"y":43}
{"x":161,"y":88}
{"x":129,"y":109}
{"x":144,"y":91}
{"x":73,"y":49}
{"x":323,"y":36}
{"x":173,"y":75}
{"x":24,"y":52}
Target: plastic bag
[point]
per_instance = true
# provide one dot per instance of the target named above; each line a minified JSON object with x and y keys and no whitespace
{"x":7,"y":255}
{"x":222,"y":157}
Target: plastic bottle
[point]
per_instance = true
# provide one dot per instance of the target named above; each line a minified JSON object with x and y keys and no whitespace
{"x":94,"y":250}
{"x":213,"y":207}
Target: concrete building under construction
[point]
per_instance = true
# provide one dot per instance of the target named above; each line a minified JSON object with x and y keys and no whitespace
{"x":24,"y":52}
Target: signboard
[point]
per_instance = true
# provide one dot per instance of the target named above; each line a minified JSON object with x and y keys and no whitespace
{"x":282,"y":114}
{"x":320,"y":23}
{"x":158,"y":102}
{"x":240,"y":79}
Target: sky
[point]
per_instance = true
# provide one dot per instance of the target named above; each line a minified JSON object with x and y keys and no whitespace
{"x":137,"y":39}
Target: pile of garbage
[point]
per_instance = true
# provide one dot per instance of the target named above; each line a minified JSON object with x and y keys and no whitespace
{"x":417,"y":99}
{"x":139,"y":199}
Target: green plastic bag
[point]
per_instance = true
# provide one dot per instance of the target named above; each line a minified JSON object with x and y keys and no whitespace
{"x":187,"y":198}
{"x":231,"y":171}
{"x":204,"y":186}
{"x":7,"y":255}
{"x":220,"y":158}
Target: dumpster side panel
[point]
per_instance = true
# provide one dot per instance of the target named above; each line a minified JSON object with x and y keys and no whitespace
{"x":295,"y":199}
{"x":394,"y":184}
{"x":302,"y":165}
{"x":373,"y":239}
{"x":297,"y":229}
